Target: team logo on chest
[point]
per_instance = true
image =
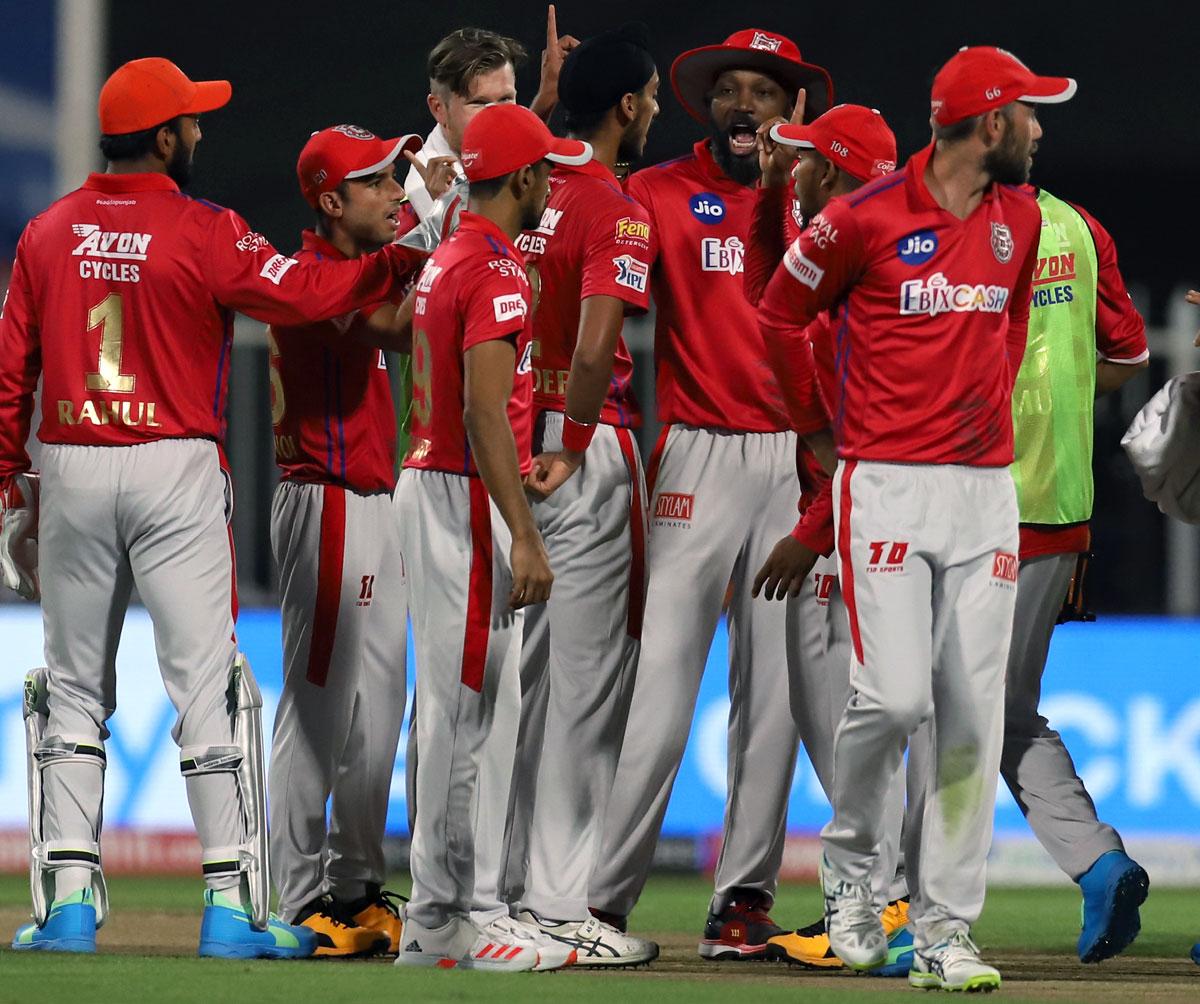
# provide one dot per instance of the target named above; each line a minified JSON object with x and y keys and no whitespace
{"x":1002,"y":243}
{"x":718,"y":255}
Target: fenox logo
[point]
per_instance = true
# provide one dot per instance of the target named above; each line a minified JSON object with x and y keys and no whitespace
{"x":507,"y":307}
{"x":674,"y":506}
{"x":765,"y":42}
{"x":918,"y":248}
{"x":801,"y":268}
{"x":628,"y":229}
{"x":718,"y":255}
{"x":1004,"y":566}
{"x":353,"y":131}
{"x":115,"y":245}
{"x":940,"y":296}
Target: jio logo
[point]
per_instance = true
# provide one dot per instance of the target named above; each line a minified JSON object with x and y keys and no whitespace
{"x":918,"y":248}
{"x":707,"y":207}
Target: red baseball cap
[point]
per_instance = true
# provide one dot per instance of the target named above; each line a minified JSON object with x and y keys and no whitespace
{"x":855,"y":138}
{"x":500,"y":139}
{"x":693,"y":73}
{"x":148,"y":92}
{"x":979,"y":78}
{"x":341,"y":152}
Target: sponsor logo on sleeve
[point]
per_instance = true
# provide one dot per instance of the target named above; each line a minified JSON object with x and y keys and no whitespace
{"x":525,"y":365}
{"x":718,"y":255}
{"x":674,"y":509}
{"x":797,"y":214}
{"x":1002,"y":243}
{"x":631,"y":273}
{"x":803,"y":269}
{"x":1004,"y":566}
{"x":937,"y":295}
{"x":637,"y":231}
{"x":918,"y":248}
{"x":707,"y":207}
{"x":428,"y":276}
{"x":252,"y":242}
{"x":114,"y":245}
{"x":768,"y":43}
{"x":508,"y":306}
{"x":276,"y":268}
{"x":821,"y":232}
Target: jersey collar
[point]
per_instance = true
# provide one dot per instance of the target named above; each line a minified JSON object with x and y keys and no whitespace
{"x":120,"y":183}
{"x":482,"y":225}
{"x":310,"y":240}
{"x":593,"y":169}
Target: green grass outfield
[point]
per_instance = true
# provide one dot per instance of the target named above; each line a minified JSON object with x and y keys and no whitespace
{"x":1030,"y":933}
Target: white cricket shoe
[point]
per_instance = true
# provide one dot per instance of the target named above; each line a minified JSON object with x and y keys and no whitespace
{"x":462,"y":944}
{"x":595,"y":943}
{"x":552,"y":954}
{"x":953,"y":964}
{"x":855,"y":930}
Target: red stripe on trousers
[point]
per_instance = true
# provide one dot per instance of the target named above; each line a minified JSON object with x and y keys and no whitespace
{"x":655,"y":460}
{"x":479,"y":589}
{"x":847,"y":564}
{"x":637,"y":538}
{"x":331,"y":556}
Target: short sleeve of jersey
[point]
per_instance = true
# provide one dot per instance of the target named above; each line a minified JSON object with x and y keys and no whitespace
{"x":638,"y":190}
{"x":618,"y":257}
{"x":494,"y":298}
{"x":1120,"y":329}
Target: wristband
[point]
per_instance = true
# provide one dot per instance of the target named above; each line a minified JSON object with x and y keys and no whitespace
{"x":576,"y":435}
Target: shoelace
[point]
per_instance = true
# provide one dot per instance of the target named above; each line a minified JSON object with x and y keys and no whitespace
{"x":955,"y":948}
{"x":813,"y":929}
{"x":390,"y":901}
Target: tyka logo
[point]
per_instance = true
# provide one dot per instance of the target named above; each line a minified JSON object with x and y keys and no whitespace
{"x":887,"y":555}
{"x":707,"y":207}
{"x":823,"y":587}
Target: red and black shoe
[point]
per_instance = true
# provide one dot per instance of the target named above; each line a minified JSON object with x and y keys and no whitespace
{"x":741,"y":930}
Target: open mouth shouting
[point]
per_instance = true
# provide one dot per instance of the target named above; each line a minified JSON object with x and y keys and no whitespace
{"x":742,"y":132}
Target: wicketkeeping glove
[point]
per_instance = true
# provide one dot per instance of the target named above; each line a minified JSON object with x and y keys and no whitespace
{"x":19,"y":534}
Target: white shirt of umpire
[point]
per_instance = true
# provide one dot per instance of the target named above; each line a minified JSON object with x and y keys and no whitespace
{"x":414,"y":186}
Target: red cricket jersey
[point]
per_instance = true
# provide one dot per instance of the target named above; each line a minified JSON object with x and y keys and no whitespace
{"x":472,"y":289}
{"x":932,"y":330}
{"x":123,"y":295}
{"x":711,"y":365}
{"x":593,"y":240}
{"x":331,"y":399}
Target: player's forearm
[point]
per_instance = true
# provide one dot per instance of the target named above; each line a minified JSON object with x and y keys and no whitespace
{"x":600,"y":323}
{"x":1111,"y":376}
{"x":389,"y":327}
{"x":495,"y":452}
{"x":767,"y":242}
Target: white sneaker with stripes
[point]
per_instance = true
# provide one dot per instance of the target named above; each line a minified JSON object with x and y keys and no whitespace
{"x":461,"y":944}
{"x":595,"y":943}
{"x":552,"y":954}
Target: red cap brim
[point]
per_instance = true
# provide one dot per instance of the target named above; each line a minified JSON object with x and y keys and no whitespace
{"x":410,"y":141}
{"x":1050,"y":91}
{"x":792,"y":135}
{"x":569,"y":151}
{"x":210,"y":95}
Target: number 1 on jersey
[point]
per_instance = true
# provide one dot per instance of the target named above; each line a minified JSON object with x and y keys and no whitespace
{"x":108,"y":316}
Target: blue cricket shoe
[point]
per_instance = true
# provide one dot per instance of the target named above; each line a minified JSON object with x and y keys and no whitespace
{"x":226,"y":933}
{"x":1196,"y":953}
{"x":899,"y":956}
{"x":1113,"y":889}
{"x":70,"y":927}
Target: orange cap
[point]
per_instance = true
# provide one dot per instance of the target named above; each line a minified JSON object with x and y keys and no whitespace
{"x":144,"y":93}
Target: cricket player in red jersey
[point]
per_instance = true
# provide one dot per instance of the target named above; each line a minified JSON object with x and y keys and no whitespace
{"x":839,"y":152}
{"x":474,"y":554}
{"x":343,"y":595}
{"x":931,"y":273}
{"x":122,"y":300}
{"x":592,"y":251}
{"x":723,"y":483}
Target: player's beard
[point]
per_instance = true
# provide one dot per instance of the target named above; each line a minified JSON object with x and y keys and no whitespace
{"x":1006,"y":162}
{"x":179,"y":167}
{"x":741,"y":169}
